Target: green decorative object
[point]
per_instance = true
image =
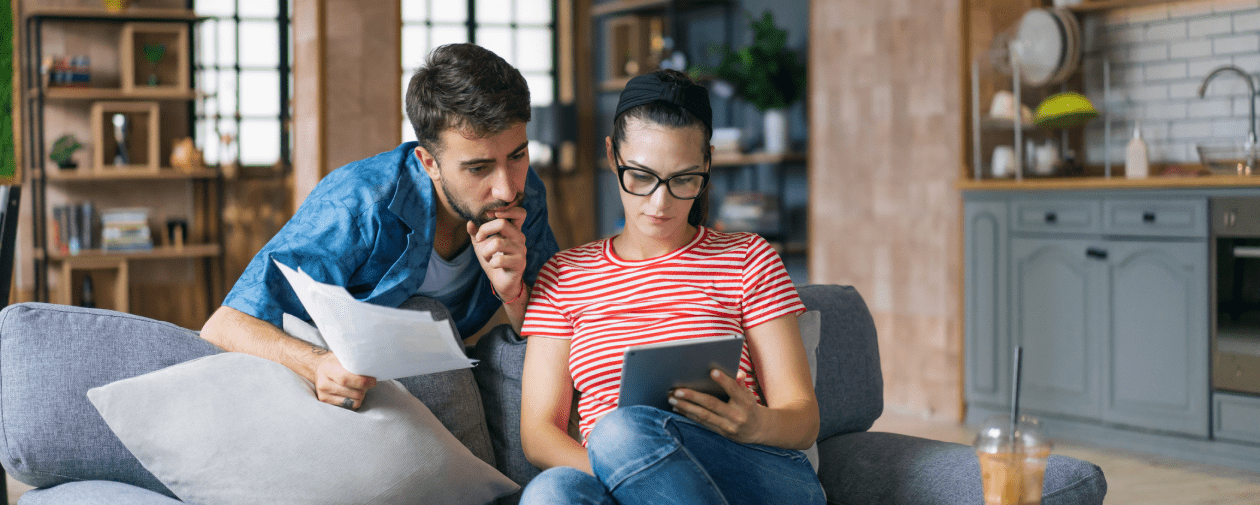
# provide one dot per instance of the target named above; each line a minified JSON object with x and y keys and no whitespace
{"x":153,"y":54}
{"x":1065,"y":110}
{"x":63,"y":151}
{"x":766,"y":73}
{"x":8,"y":147}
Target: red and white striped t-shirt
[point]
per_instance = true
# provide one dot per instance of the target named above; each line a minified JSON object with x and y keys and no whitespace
{"x":718,"y":284}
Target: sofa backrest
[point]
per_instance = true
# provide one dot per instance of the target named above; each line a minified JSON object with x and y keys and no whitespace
{"x":849,"y":384}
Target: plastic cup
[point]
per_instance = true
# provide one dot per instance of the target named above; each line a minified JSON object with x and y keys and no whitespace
{"x":1012,"y":465}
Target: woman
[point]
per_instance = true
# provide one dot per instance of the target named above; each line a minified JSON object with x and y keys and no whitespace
{"x":666,"y":277}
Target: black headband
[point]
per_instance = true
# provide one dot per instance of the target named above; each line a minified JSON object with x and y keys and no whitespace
{"x":648,"y":88}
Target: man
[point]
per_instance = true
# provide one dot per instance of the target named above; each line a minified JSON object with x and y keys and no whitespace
{"x":457,"y":216}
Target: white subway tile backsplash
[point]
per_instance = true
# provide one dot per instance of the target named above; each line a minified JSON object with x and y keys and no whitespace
{"x":1211,"y":108}
{"x":1190,"y":48}
{"x":1151,"y":52}
{"x":1128,"y":34}
{"x":1242,"y":107}
{"x":1209,"y":26}
{"x":1148,"y":92}
{"x":1248,"y":43}
{"x":1234,"y":127}
{"x":1234,"y":5}
{"x":1248,"y":21}
{"x":1199,"y":68}
{"x":1248,"y":62}
{"x":1184,"y":90}
{"x":1167,"y":111}
{"x":1169,"y":30}
{"x":1165,"y":71}
{"x":1190,"y":9}
{"x":1148,"y":13}
{"x":1191,"y":129}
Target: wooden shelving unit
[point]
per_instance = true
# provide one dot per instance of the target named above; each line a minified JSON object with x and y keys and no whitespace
{"x":147,"y":99}
{"x":1102,"y":5}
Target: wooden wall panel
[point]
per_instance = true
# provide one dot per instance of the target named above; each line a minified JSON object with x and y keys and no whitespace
{"x":886,"y":143}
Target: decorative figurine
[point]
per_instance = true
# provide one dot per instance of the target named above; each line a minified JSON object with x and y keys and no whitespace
{"x":120,"y":139}
{"x":185,"y":156}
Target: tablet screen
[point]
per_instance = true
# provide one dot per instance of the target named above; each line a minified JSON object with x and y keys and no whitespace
{"x":650,"y":372}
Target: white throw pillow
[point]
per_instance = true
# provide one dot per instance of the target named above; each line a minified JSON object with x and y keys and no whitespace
{"x":238,"y":429}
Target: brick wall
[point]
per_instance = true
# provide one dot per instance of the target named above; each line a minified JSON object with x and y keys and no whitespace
{"x":1159,"y":56}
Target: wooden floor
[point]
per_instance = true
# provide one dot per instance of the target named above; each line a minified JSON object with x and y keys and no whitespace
{"x":1132,"y":478}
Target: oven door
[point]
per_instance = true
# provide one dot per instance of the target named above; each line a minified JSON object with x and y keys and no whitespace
{"x":1236,"y":347}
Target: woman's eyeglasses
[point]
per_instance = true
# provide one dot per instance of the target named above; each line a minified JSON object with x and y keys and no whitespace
{"x":639,"y":182}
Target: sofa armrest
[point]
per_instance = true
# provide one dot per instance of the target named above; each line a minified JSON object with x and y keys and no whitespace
{"x":873,"y":468}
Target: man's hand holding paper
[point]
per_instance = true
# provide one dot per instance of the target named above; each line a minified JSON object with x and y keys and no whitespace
{"x":374,"y":341}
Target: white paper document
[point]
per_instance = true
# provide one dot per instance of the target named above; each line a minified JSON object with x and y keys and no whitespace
{"x":381,"y":342}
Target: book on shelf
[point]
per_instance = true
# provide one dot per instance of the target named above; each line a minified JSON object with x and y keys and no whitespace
{"x":126,"y":229}
{"x":73,"y":228}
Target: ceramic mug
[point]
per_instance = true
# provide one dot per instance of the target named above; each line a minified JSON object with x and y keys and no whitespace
{"x":1003,"y":161}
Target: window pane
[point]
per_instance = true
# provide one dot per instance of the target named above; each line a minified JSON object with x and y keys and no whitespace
{"x":214,"y":142}
{"x":408,"y":133}
{"x":533,"y":11}
{"x":413,"y":11}
{"x":498,"y":40}
{"x":450,"y":11}
{"x":540,"y":89}
{"x":415,"y":46}
{"x":260,"y":93}
{"x":207,"y":82}
{"x":494,"y":11}
{"x":226,"y":44}
{"x":443,"y":35}
{"x":207,"y":141}
{"x":533,"y":49}
{"x":214,"y":7}
{"x":262,"y":39}
{"x":260,"y":141}
{"x":208,"y":108}
{"x":260,"y":8}
{"x":227,"y":94}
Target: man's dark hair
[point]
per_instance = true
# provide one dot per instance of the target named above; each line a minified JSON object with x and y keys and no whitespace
{"x":466,"y":87}
{"x":672,"y":116}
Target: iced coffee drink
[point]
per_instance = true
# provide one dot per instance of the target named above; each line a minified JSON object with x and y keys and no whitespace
{"x":1012,"y":463}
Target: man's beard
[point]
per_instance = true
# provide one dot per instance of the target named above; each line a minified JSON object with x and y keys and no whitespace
{"x":478,"y":218}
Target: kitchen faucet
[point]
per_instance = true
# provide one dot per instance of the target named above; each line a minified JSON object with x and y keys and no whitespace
{"x":1250,"y":145}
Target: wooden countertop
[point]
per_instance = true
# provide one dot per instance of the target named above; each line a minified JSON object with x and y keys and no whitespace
{"x":1068,"y":183}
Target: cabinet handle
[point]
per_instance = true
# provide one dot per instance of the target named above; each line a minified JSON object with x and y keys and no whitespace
{"x":1148,"y":217}
{"x":1051,"y":217}
{"x":1096,"y":253}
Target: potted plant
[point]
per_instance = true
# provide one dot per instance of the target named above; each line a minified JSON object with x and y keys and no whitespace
{"x":62,"y":151}
{"x":767,"y":74}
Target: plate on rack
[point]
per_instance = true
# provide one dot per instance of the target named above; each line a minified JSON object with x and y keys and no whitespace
{"x":1072,"y":46}
{"x":1043,"y":38}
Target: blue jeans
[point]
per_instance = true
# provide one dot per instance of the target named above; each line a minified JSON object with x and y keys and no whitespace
{"x":647,"y":455}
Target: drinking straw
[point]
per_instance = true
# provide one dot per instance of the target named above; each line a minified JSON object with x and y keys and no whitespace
{"x":1019,"y":361}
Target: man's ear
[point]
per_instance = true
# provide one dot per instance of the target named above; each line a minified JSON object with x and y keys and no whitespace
{"x":428,"y":162}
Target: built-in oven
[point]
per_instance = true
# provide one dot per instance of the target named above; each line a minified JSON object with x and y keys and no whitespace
{"x":1236,"y":294}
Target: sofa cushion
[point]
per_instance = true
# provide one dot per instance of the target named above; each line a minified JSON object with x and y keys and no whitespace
{"x":502,"y":355}
{"x":872,"y":468}
{"x":95,"y":492}
{"x":236,"y":429}
{"x":849,"y":384}
{"x":50,"y":356}
{"x":451,"y":395}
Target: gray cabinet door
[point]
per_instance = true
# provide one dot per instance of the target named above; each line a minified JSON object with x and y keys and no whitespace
{"x":988,"y":351}
{"x":1057,"y":300}
{"x":1155,"y":362}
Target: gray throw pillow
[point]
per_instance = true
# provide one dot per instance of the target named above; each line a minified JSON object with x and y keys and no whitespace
{"x":238,"y":429}
{"x":810,"y":324}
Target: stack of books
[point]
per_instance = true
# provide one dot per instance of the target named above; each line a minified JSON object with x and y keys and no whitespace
{"x":126,"y":229}
{"x":74,"y":228}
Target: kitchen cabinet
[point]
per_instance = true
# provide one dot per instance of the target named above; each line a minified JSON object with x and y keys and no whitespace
{"x":987,"y":325}
{"x":1111,"y":309}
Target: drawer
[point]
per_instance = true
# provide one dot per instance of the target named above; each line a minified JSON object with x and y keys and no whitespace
{"x":1237,"y":417}
{"x":1175,"y":217}
{"x":1074,"y":216}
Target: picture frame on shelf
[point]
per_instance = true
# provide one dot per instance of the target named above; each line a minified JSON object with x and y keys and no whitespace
{"x":125,"y":136}
{"x":153,"y":58}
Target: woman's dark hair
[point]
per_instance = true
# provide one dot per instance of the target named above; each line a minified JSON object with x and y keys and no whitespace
{"x":669,"y":115}
{"x":466,"y":87}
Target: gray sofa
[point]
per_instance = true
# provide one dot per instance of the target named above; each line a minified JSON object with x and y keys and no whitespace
{"x":52,"y":438}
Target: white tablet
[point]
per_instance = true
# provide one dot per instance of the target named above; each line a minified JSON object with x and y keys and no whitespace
{"x":650,"y":372}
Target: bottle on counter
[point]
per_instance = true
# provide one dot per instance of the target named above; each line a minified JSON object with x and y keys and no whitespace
{"x":1136,"y":165}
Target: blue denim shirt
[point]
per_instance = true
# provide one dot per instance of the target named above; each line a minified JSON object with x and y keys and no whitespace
{"x":369,"y":226}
